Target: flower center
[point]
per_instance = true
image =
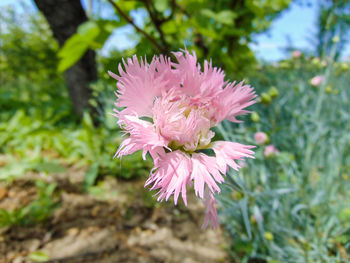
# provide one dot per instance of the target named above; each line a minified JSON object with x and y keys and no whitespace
{"x":186,"y":126}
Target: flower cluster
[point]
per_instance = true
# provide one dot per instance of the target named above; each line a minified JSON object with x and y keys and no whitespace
{"x":168,"y":109}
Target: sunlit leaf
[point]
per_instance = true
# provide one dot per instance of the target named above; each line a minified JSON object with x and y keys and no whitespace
{"x":170,"y":27}
{"x":161,"y":5}
{"x":224,"y":17}
{"x":38,"y":256}
{"x":49,"y":167}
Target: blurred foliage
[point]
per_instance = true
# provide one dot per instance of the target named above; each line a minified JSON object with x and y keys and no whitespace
{"x":293,"y":206}
{"x":37,"y":211}
{"x":38,"y":131}
{"x":33,"y":143}
{"x":27,"y":49}
{"x":28,"y":62}
{"x":333,"y":25}
{"x":220,"y":30}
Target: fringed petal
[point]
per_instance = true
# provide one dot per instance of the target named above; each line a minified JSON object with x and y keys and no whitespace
{"x":138,"y":85}
{"x":211,"y":215}
{"x":171,"y":175}
{"x":142,"y":136}
{"x":205,"y":172}
{"x":227,"y":152}
{"x":231,"y":102}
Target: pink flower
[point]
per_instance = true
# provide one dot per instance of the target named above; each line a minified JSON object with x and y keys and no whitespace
{"x":317,"y":80}
{"x":261,"y":137}
{"x":168,"y":110}
{"x":296,"y":54}
{"x":270,"y":151}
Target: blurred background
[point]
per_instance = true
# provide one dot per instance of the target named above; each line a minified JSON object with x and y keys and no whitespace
{"x":63,"y":198}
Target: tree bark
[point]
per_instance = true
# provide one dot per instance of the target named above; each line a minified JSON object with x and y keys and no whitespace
{"x":64,"y":17}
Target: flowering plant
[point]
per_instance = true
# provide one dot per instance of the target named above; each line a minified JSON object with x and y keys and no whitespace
{"x":168,"y":110}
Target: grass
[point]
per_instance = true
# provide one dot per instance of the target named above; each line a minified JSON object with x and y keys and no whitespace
{"x":294,"y":206}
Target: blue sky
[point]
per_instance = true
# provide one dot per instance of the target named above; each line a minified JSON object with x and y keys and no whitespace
{"x":298,"y":22}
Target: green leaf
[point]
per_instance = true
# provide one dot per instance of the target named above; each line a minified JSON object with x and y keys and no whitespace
{"x":13,"y":170}
{"x":161,"y":5}
{"x":207,"y":32}
{"x":243,"y":246}
{"x":49,"y":167}
{"x":38,"y":256}
{"x":88,"y":29}
{"x":87,"y":32}
{"x":87,"y":121}
{"x":71,"y":52}
{"x":5,"y":218}
{"x":91,"y":175}
{"x":170,"y":27}
{"x":128,"y":6}
{"x":244,"y":209}
{"x":75,"y":47}
{"x":225,"y":17}
{"x":344,"y":215}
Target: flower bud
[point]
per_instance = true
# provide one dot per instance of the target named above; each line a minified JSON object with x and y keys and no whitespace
{"x":268,"y":236}
{"x":253,"y":219}
{"x":270,"y":151}
{"x":335,"y":39}
{"x":265,"y":98}
{"x":296,"y":54}
{"x":328,"y":89}
{"x":344,"y":66}
{"x":273,"y":92}
{"x":261,"y":138}
{"x":316,"y":81}
{"x":255,"y":117}
{"x":316,"y":61}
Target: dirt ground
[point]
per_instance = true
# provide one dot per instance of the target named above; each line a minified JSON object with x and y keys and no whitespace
{"x":118,"y":222}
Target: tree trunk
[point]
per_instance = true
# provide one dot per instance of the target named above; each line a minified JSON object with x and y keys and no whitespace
{"x":64,"y":17}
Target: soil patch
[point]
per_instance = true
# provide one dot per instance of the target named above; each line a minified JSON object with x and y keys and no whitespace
{"x":118,"y":221}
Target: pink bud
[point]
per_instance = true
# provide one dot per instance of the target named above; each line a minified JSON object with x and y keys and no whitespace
{"x":296,"y":54}
{"x":260,"y":137}
{"x":270,"y":150}
{"x":317,"y":80}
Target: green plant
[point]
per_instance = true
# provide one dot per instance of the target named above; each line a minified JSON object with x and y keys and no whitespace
{"x":218,"y":30}
{"x":28,"y":51}
{"x":292,"y":207}
{"x":38,"y":210}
